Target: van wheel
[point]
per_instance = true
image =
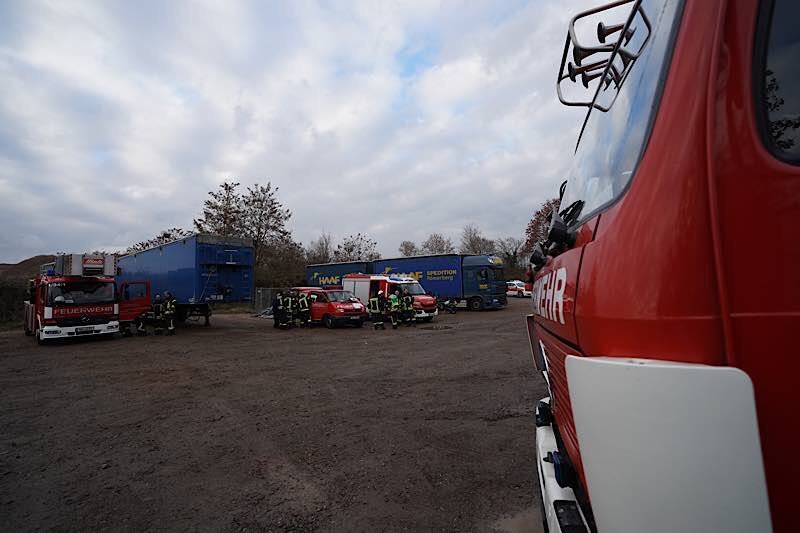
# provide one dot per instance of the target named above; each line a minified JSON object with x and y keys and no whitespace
{"x":328,"y":321}
{"x":360,"y":323}
{"x":475,"y":304}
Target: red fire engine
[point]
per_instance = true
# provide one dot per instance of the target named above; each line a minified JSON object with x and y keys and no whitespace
{"x":666,"y":300}
{"x":366,"y":286}
{"x":73,"y":296}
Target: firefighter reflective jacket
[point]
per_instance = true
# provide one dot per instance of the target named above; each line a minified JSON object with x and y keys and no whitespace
{"x":302,"y":302}
{"x":377,"y":305}
{"x":394,"y":302}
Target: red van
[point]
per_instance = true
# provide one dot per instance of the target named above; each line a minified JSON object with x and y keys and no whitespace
{"x":334,"y":307}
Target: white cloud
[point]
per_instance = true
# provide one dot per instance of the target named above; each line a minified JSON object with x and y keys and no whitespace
{"x":403,"y":118}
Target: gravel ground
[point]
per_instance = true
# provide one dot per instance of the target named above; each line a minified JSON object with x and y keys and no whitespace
{"x":243,"y":427}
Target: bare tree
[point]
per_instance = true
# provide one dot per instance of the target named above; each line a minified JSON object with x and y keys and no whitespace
{"x":408,"y":248}
{"x":263,"y":218}
{"x":510,"y":249}
{"x":167,"y":235}
{"x":320,"y":250}
{"x":222,"y":213}
{"x":436,"y":243}
{"x":473,"y":241}
{"x":539,"y":224}
{"x":283,"y":265}
{"x":358,"y":247}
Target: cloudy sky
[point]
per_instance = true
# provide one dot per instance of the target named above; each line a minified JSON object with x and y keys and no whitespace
{"x":394,"y":118}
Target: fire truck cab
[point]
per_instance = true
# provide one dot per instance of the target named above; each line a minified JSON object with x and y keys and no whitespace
{"x":73,"y":296}
{"x":366,"y":286}
{"x":666,"y":298}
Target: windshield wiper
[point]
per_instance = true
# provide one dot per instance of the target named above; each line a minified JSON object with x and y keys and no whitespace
{"x":571,"y":213}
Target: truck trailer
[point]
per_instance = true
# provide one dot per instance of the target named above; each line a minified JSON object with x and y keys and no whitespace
{"x":199,"y":271}
{"x":666,"y":298}
{"x":325,"y":274}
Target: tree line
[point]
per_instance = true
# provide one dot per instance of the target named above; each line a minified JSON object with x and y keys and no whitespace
{"x":279,"y":260}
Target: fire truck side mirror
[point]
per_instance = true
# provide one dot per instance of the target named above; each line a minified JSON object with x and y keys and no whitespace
{"x":559,"y":234}
{"x":538,"y":258}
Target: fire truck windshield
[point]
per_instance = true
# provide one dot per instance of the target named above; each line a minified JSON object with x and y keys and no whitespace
{"x":80,"y":292}
{"x":414,"y":289}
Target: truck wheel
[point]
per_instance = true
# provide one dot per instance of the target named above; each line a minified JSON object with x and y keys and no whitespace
{"x":476,"y":304}
{"x":328,"y":321}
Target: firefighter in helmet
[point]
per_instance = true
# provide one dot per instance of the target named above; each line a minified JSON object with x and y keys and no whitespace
{"x":394,"y":308}
{"x":407,"y":306}
{"x":377,"y":309}
{"x":157,"y":315}
{"x":291,"y":309}
{"x":303,"y":310}
{"x":170,"y":306}
{"x":280,"y":314}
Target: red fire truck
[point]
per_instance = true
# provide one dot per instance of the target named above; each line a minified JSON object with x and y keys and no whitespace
{"x":73,"y":296}
{"x":666,"y":297}
{"x":366,"y":286}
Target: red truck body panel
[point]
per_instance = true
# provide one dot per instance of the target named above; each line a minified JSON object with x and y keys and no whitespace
{"x":697,"y":261}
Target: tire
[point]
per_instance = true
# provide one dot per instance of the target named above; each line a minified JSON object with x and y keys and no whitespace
{"x":360,"y":323}
{"x":327,"y":321}
{"x":476,"y":304}
{"x":520,"y":294}
{"x":39,"y":340}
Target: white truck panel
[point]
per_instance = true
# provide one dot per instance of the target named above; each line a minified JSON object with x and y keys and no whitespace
{"x":668,"y":447}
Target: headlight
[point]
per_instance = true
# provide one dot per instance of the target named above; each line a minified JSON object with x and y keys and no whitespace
{"x":339,"y":310}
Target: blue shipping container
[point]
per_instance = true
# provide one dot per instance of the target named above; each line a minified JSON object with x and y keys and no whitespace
{"x":198,"y":270}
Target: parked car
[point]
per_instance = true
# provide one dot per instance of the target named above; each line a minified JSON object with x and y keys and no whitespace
{"x":334,"y":307}
{"x":517,"y":288}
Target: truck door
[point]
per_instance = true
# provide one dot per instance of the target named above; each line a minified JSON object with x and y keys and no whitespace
{"x":134,"y":300}
{"x":320,"y":306}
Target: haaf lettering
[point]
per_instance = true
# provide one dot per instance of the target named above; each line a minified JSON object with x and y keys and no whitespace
{"x":329,"y":280}
{"x":548,"y":295}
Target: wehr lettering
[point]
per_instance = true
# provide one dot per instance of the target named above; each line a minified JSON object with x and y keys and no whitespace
{"x":548,"y":295}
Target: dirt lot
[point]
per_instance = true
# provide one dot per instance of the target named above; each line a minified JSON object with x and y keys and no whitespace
{"x":243,"y":427}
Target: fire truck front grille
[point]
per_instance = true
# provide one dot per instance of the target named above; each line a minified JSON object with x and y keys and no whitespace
{"x":81,"y":321}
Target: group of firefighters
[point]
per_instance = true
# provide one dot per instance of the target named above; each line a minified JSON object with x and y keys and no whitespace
{"x":289,"y":307}
{"x":161,"y":315}
{"x":399,"y":308}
